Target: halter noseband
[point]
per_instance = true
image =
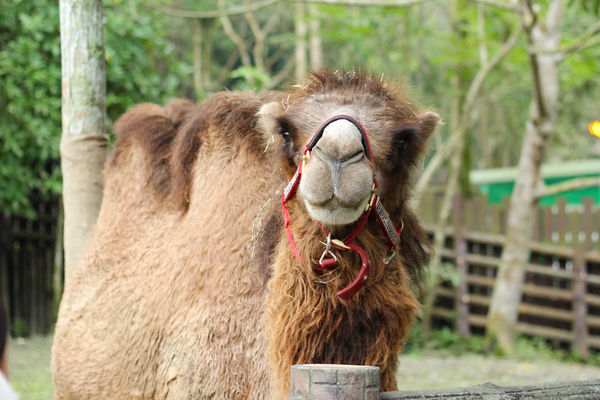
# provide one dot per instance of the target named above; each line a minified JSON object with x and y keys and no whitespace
{"x":328,"y":260}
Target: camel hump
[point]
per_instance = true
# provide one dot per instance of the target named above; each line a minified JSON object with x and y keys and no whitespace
{"x":152,"y":128}
{"x":177,"y":109}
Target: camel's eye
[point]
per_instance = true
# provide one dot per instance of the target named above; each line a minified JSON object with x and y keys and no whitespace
{"x":286,"y":129}
{"x":401,"y":145}
{"x":286,"y":136}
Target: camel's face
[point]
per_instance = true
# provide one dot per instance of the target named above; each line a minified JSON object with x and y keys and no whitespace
{"x":337,"y":180}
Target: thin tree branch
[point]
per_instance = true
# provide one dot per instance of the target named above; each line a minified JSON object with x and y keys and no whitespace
{"x":366,"y":3}
{"x":230,"y":32}
{"x":276,"y":56}
{"x":483,"y":53}
{"x":259,"y":39}
{"x":273,"y":20}
{"x":586,"y":39}
{"x":572,"y":184}
{"x":449,"y":146}
{"x":239,"y":10}
{"x":484,"y":71}
{"x":283,"y":74}
{"x":512,"y":6}
{"x":436,"y":162}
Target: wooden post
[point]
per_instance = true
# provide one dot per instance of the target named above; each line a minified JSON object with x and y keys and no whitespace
{"x":333,"y":381}
{"x":581,"y":390}
{"x":462,"y":268}
{"x":548,"y":227}
{"x":579,"y":302}
{"x":562,"y":220}
{"x":354,"y":382}
{"x":588,"y":222}
{"x":536,"y":231}
{"x":505,"y":205}
{"x":580,"y":328}
{"x":496,"y":219}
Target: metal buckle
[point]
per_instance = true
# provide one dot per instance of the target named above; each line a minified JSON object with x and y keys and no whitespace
{"x":372,"y":200}
{"x":390,"y":256}
{"x":327,"y":250}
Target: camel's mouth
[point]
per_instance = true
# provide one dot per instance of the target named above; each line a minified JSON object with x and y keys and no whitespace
{"x":336,"y":212}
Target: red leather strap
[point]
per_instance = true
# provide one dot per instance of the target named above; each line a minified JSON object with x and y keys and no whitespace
{"x":365,"y":270}
{"x":326,"y":262}
{"x":288,"y":229}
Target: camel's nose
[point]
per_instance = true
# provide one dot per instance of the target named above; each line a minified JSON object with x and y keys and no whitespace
{"x":341,"y":144}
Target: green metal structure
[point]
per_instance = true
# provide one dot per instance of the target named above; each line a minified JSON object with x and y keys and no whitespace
{"x":498,"y":183}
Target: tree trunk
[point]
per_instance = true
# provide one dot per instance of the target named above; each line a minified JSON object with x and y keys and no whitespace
{"x":316,"y":48}
{"x":207,"y":25}
{"x":460,"y":123}
{"x":197,"y":38}
{"x":301,"y":47}
{"x":57,"y":274}
{"x":83,"y":145}
{"x":439,"y":236}
{"x":504,"y":307}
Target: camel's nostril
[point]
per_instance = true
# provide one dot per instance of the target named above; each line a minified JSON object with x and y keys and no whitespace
{"x":353,"y":158}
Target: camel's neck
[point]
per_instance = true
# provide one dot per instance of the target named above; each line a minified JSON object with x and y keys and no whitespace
{"x":308,"y":323}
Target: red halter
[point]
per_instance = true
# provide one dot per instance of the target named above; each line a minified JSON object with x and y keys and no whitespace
{"x":328,"y":259}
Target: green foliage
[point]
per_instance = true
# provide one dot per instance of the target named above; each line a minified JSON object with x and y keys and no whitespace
{"x":29,"y":102}
{"x":19,"y":327}
{"x":590,"y":6}
{"x":249,"y":78}
{"x":149,"y":59}
{"x":142,"y":65}
{"x":445,"y":340}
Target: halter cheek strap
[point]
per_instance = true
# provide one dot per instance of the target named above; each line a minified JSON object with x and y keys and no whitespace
{"x":328,"y":260}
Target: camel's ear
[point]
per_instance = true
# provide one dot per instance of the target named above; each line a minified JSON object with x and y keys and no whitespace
{"x":267,"y":118}
{"x":428,"y":121}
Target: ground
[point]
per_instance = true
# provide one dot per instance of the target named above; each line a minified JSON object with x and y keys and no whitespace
{"x":438,"y":371}
{"x":29,"y":369}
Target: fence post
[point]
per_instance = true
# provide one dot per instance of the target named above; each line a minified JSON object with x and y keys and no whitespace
{"x":333,"y":381}
{"x":460,"y":251}
{"x":582,"y":245}
{"x":579,"y":302}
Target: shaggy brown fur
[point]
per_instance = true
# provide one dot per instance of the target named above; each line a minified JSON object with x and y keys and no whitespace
{"x":189,"y":289}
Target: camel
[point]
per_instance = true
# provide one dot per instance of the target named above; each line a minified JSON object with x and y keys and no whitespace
{"x":243,"y":235}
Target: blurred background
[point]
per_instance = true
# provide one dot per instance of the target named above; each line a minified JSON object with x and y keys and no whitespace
{"x":517,"y":86}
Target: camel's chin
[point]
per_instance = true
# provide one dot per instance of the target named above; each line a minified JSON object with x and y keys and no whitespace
{"x":335,"y":214}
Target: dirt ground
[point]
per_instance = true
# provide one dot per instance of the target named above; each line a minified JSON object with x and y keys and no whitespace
{"x":29,"y":370}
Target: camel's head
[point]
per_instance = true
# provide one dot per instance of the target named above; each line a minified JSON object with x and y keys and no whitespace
{"x":376,"y":136}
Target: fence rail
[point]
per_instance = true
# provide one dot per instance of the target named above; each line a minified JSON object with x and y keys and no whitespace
{"x":353,"y":382}
{"x":561,"y":294}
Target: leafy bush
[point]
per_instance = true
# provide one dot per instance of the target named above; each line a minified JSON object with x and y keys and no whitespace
{"x":30,"y":99}
{"x":142,"y":65}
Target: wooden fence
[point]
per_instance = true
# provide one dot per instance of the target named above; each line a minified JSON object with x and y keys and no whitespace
{"x":354,"y":382}
{"x":561,"y":295}
{"x":27,"y":251}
